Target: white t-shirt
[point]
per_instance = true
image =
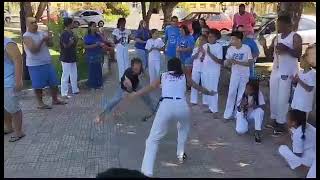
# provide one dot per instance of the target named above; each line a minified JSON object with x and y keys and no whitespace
{"x":302,"y":99}
{"x":243,"y":55}
{"x":209,"y":64}
{"x":197,"y":64}
{"x":251,"y":101}
{"x":123,"y":35}
{"x":154,"y":43}
{"x":39,"y":58}
{"x":173,"y":86}
{"x":309,"y":143}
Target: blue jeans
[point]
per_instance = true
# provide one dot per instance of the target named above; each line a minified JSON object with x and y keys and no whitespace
{"x":119,"y":95}
{"x":143,"y":55}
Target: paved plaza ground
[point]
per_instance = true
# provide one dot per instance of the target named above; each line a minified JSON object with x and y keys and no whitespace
{"x":65,"y":142}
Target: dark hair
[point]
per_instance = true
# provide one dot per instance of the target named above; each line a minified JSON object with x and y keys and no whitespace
{"x":120,"y":20}
{"x":185,"y":29}
{"x":300,"y":118}
{"x":153,"y":31}
{"x":202,"y":19}
{"x":196,"y":27}
{"x":174,"y":17}
{"x":67,"y":21}
{"x":285,"y":19}
{"x":242,"y":5}
{"x":254,"y":84}
{"x":136,"y":60}
{"x":120,"y":173}
{"x":215,"y":32}
{"x":237,"y":34}
{"x":174,"y":64}
{"x":89,"y":25}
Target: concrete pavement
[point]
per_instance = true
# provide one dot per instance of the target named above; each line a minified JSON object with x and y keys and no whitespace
{"x":65,"y":142}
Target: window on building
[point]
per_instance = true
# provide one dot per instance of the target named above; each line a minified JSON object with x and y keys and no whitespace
{"x":193,"y":5}
{"x":203,"y":5}
{"x":135,"y":4}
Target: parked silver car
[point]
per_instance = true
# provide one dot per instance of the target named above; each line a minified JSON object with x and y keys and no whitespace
{"x":85,"y":16}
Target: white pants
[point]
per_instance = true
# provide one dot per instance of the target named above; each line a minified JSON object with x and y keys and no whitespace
{"x":295,"y":161}
{"x":196,"y":76}
{"x":122,"y":55}
{"x":242,"y":122}
{"x":312,"y":170}
{"x":279,"y":97}
{"x":154,"y":69}
{"x":69,"y":70}
{"x":237,"y":87}
{"x":168,"y":110}
{"x":211,"y":82}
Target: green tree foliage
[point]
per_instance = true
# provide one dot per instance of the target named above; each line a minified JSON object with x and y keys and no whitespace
{"x":118,"y":8}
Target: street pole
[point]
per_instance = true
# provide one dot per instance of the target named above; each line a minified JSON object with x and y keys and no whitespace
{"x":23,"y":30}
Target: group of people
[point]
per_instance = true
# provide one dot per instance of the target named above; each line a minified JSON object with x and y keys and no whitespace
{"x":193,"y":60}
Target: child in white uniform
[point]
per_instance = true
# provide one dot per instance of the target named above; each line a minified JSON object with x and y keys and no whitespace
{"x":251,"y":108}
{"x":173,"y":106}
{"x":154,"y":46}
{"x":305,"y":82}
{"x":122,"y":39}
{"x":212,"y":67}
{"x":239,"y":55}
{"x":303,"y":143}
{"x":197,"y":68}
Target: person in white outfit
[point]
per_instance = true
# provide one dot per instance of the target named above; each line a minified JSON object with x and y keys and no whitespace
{"x":303,"y":143}
{"x":286,"y":49}
{"x":173,"y":106}
{"x":197,"y":68}
{"x":68,"y":57}
{"x":212,"y":67}
{"x":305,"y":82}
{"x":239,"y":56}
{"x":251,"y":108}
{"x":154,"y":46}
{"x":121,"y":39}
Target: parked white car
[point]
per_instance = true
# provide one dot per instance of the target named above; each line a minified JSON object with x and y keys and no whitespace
{"x":85,"y":16}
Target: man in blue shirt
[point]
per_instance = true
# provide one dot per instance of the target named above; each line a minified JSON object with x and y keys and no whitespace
{"x":172,"y":33}
{"x":254,"y":51}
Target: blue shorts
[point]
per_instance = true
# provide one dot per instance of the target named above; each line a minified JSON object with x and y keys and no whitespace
{"x":42,"y":76}
{"x":187,"y":61}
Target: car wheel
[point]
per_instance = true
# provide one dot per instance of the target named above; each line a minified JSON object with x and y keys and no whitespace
{"x":100,"y":23}
{"x":76,"y":23}
{"x":7,"y":20}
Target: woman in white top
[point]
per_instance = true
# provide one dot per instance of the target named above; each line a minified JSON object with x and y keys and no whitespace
{"x":197,"y":68}
{"x":251,"y":108}
{"x":303,"y":143}
{"x":212,"y":67}
{"x":173,"y":106}
{"x":154,"y":46}
{"x":121,"y":39}
{"x":305,"y":82}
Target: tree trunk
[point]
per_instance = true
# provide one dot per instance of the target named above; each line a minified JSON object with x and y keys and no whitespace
{"x":27,"y":9}
{"x":143,"y":8}
{"x":292,"y":9}
{"x":42,"y":6}
{"x":23,"y":30}
{"x":167,"y":9}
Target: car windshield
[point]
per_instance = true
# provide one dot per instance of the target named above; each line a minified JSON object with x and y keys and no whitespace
{"x":263,"y":20}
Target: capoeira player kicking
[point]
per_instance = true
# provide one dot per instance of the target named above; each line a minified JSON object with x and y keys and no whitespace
{"x":129,"y":83}
{"x":173,"y":106}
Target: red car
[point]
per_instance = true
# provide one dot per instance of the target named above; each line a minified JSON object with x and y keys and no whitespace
{"x":217,"y":20}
